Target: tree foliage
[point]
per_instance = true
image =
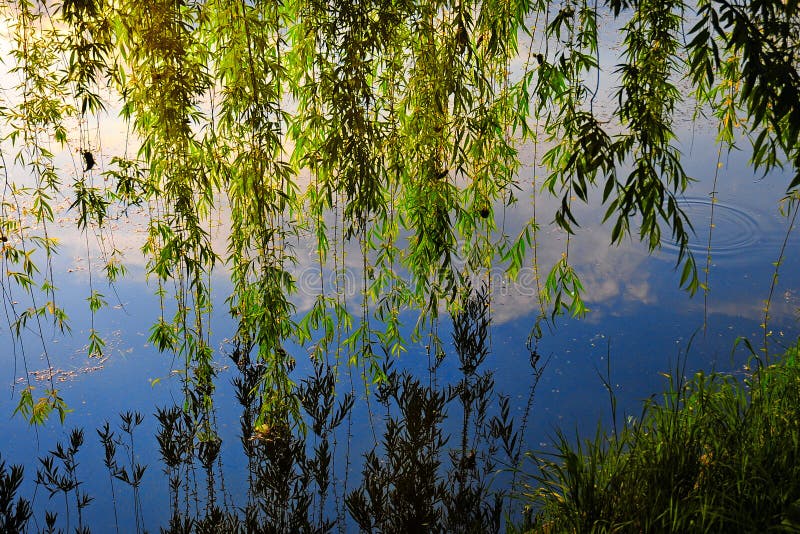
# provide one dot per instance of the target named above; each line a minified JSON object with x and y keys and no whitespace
{"x":393,"y":126}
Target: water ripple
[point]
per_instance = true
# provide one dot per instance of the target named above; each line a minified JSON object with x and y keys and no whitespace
{"x":737,"y":232}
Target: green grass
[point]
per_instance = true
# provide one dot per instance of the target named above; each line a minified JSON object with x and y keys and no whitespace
{"x":717,"y":454}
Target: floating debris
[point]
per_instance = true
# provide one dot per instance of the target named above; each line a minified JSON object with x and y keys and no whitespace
{"x":56,"y":374}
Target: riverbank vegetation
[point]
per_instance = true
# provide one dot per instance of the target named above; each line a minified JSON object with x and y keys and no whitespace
{"x":715,"y":453}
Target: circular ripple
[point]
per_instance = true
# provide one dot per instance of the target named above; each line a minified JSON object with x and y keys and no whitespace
{"x":736,"y":232}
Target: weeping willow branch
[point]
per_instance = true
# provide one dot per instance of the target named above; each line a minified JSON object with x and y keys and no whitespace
{"x":393,"y":126}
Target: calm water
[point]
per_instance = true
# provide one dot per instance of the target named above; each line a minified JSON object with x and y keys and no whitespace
{"x":639,"y":318}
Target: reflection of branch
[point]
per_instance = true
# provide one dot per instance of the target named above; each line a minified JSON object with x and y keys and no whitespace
{"x":707,"y":270}
{"x":794,"y":205}
{"x":538,"y":370}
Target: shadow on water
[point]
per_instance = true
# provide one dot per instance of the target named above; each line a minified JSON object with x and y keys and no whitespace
{"x":443,"y":460}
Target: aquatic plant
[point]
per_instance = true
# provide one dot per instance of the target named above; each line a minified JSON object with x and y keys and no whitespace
{"x":718,"y":453}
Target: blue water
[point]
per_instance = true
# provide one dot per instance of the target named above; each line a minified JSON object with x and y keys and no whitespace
{"x":639,"y":319}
